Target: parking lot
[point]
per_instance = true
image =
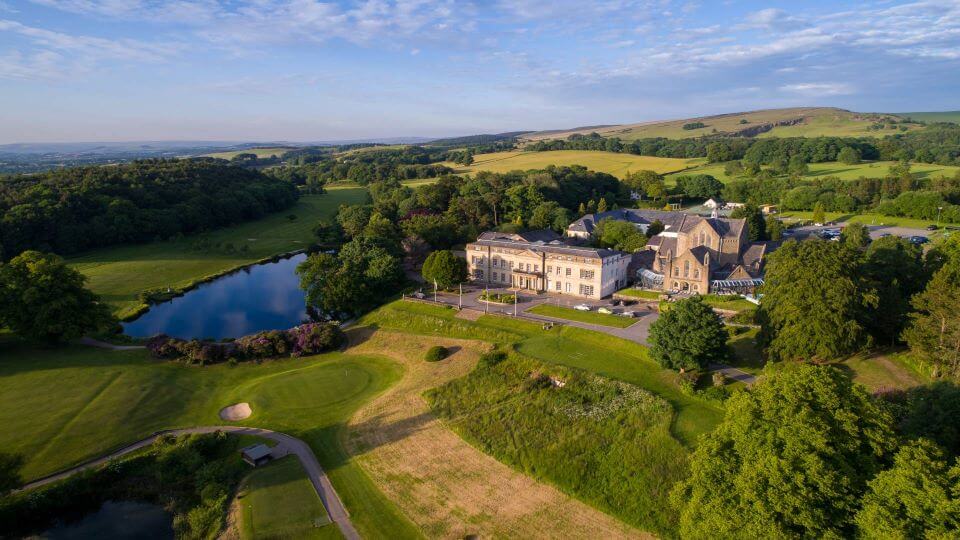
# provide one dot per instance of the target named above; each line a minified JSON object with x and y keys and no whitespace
{"x":876,"y":231}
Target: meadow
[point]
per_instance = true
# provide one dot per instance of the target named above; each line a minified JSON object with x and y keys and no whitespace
{"x":265,"y":152}
{"x":616,"y":164}
{"x":119,"y":274}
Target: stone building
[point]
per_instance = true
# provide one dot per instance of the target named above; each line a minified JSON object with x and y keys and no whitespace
{"x":692,"y":254}
{"x":541,"y":261}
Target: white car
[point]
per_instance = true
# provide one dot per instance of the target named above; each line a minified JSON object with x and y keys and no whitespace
{"x":628,"y":314}
{"x":581,"y":307}
{"x":605,"y":311}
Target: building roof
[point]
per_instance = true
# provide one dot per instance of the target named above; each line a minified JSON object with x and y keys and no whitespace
{"x":672,"y":221}
{"x":256,"y":451}
{"x":557,"y":246}
{"x":542,"y":235}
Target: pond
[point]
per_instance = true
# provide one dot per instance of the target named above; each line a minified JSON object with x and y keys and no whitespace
{"x":118,"y":520}
{"x":262,"y":297}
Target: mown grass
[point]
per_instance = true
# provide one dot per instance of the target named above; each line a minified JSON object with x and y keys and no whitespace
{"x":590,"y":317}
{"x":62,"y":406}
{"x":617,"y":164}
{"x":602,"y":441}
{"x":866,"y":219}
{"x":279,"y":501}
{"x":642,"y":294}
{"x":119,"y":274}
{"x":871,"y":169}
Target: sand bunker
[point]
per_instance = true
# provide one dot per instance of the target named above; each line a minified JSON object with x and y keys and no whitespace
{"x":235,"y":412}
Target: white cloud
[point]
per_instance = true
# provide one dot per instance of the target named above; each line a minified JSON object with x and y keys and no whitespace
{"x":812,"y":89}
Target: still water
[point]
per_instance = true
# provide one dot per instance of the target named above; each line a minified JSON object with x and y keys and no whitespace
{"x":262,"y":297}
{"x":121,"y":520}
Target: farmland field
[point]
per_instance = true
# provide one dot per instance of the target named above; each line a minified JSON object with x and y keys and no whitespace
{"x":265,"y":152}
{"x":613,"y":163}
{"x":118,"y":274}
{"x":817,"y":121}
{"x":872,"y":169}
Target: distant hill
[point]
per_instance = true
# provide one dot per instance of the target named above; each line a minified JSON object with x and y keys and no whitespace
{"x":470,"y":140}
{"x":794,"y":122}
{"x":928,"y":117}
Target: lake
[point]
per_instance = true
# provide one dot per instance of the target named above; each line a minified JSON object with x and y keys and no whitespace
{"x":120,"y":520}
{"x":262,"y":297}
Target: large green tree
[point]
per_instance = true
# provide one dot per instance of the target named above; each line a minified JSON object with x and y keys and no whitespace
{"x":790,"y":459}
{"x":689,"y":336}
{"x":755,"y":222}
{"x":353,"y":281}
{"x":934,"y":329}
{"x":445,"y":269}
{"x":894,"y":268}
{"x":855,"y":235}
{"x":918,"y":498}
{"x":814,"y":301}
{"x":42,"y":298}
{"x":621,"y":235}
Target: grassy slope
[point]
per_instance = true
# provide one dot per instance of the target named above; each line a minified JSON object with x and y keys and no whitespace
{"x":944,"y":116}
{"x":260,"y":152}
{"x":590,"y":317}
{"x":876,"y":169}
{"x":118,"y":274}
{"x":613,"y":163}
{"x":62,"y":406}
{"x":278,"y":500}
{"x":819,"y":121}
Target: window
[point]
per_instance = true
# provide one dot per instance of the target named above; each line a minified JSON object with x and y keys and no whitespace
{"x":549,"y":269}
{"x":569,"y":272}
{"x":568,"y":286}
{"x":586,"y":290}
{"x":586,"y":274}
{"x":478,"y":273}
{"x":558,"y":270}
{"x":528,"y":267}
{"x":686,"y":268}
{"x":676,"y":271}
{"x":536,"y":268}
{"x":495,"y":261}
{"x":558,"y":285}
{"x":511,"y":265}
{"x":696,"y":273}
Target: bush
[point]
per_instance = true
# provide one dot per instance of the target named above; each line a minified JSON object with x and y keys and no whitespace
{"x":304,"y":340}
{"x":436,"y":353}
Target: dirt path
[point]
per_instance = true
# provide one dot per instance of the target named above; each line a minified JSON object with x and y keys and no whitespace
{"x":286,"y":445}
{"x":443,"y":484}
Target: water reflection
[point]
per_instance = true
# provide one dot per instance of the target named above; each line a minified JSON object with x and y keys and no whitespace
{"x":263,"y":297}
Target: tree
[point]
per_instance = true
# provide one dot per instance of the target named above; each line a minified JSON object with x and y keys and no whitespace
{"x":444,"y":268}
{"x":10,"y":479}
{"x":353,"y":281}
{"x":620,"y":235}
{"x":855,"y":235}
{"x":582,"y":210}
{"x":700,"y":186}
{"x":933,"y":333}
{"x":798,"y":165}
{"x":774,"y":228}
{"x":848,"y":155}
{"x":815,"y":301}
{"x":791,"y":459}
{"x":688,"y":336}
{"x":354,"y":218}
{"x":656,"y":227}
{"x":602,"y":205}
{"x":818,"y":213}
{"x":328,"y":233}
{"x":42,"y":298}
{"x":757,"y":226}
{"x":919,"y":497}
{"x":894,"y":268}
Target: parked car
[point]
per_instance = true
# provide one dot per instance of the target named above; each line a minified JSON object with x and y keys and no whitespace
{"x":616,"y":303}
{"x":581,"y":307}
{"x":627,"y":313}
{"x":884,"y":235}
{"x":605,"y":311}
{"x":931,"y":227}
{"x":919,"y":240}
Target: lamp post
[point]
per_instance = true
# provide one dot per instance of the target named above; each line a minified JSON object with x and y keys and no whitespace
{"x":516,"y":298}
{"x":460,"y":300}
{"x":486,"y":299}
{"x":939,"y":209}
{"x":434,"y":290}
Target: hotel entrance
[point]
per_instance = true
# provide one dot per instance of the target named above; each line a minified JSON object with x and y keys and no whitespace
{"x":529,"y":283}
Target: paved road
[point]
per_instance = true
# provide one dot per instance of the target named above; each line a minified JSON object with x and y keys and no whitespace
{"x":285,"y":445}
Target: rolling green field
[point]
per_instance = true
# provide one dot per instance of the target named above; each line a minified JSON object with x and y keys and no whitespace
{"x":614,"y":163}
{"x":817,"y":121}
{"x":278,"y":501}
{"x":874,"y":169}
{"x":866,"y":219}
{"x":62,"y":406}
{"x":591,"y":317}
{"x":273,"y":151}
{"x":118,"y":274}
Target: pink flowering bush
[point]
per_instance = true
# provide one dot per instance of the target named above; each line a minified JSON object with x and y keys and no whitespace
{"x":304,"y":340}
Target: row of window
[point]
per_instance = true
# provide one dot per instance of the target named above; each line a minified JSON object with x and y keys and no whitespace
{"x":686,"y":271}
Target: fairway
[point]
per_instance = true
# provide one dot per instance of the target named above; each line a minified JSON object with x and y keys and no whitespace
{"x":614,"y":163}
{"x":590,"y":317}
{"x":118,"y":274}
{"x":278,"y":501}
{"x":873,"y":169}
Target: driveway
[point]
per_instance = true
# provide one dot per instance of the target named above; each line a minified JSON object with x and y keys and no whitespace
{"x":285,"y":445}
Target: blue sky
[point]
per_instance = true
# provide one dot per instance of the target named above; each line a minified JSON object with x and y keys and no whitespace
{"x":301,"y":70}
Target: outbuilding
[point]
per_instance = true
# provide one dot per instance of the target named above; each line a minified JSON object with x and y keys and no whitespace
{"x":256,"y":455}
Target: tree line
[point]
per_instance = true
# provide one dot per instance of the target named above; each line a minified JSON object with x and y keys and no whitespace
{"x":70,"y":210}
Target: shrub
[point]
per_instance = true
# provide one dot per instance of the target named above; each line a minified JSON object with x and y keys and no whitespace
{"x":304,"y":340}
{"x":436,"y":353}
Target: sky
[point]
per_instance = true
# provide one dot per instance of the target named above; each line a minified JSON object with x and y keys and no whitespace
{"x":309,"y":70}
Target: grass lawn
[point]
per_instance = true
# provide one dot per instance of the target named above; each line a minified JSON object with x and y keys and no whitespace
{"x":278,"y":501}
{"x":591,"y":317}
{"x":62,"y":406}
{"x":866,"y":219}
{"x":746,"y":352}
{"x":260,"y":152}
{"x":613,"y":163}
{"x":640,"y":293}
{"x":883,"y":372}
{"x":118,"y":274}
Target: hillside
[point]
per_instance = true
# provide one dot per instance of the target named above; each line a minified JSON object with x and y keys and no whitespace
{"x":616,"y":164}
{"x":795,"y":122}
